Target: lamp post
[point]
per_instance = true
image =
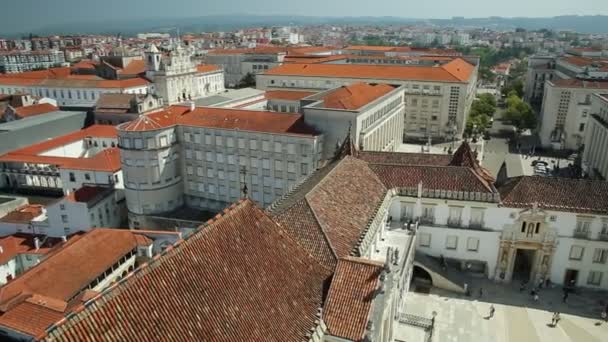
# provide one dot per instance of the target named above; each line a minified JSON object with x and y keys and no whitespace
{"x":433,"y":314}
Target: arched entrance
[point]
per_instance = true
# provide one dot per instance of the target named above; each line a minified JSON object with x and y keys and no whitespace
{"x":422,"y":281}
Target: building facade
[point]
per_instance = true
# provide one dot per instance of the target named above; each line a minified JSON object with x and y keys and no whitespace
{"x":437,"y":99}
{"x":595,"y":158}
{"x":20,"y":61}
{"x":207,"y":157}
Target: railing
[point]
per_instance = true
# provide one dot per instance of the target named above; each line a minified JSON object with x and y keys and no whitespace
{"x":581,"y":234}
{"x":454,"y":223}
{"x":427,"y":220}
{"x":476,"y":225}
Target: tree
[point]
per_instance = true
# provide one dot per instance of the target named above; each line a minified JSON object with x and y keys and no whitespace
{"x":519,"y":113}
{"x":516,"y":86}
{"x":247,"y":81}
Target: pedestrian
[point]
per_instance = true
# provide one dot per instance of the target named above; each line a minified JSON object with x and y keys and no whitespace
{"x":553,"y":319}
{"x":547,"y":282}
{"x":492,"y":311}
{"x":522,"y":287}
{"x":540,"y":283}
{"x":480,"y":292}
{"x":556,"y":318}
{"x":536,"y":297}
{"x":605,"y":316}
{"x":565,"y":296}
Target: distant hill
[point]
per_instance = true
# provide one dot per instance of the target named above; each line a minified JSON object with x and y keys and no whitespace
{"x":583,"y":24}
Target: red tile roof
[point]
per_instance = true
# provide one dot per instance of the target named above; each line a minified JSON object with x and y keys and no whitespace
{"x":13,"y":245}
{"x":222,"y":118}
{"x":23,"y":214}
{"x":107,"y":160}
{"x":355,"y":96}
{"x":86,"y":193}
{"x":240,"y":278}
{"x":370,"y":48}
{"x":207,"y":68}
{"x":85,"y":64}
{"x":49,"y":287}
{"x":36,"y":109}
{"x":287,"y":95}
{"x":339,"y":202}
{"x":559,"y":194}
{"x":62,"y":77}
{"x":455,"y":71}
{"x":135,"y":67}
{"x":429,"y":159}
{"x":349,"y":302}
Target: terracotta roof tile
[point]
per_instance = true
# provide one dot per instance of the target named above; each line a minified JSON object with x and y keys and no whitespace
{"x":222,"y":118}
{"x":62,"y":77}
{"x":240,"y":278}
{"x":37,"y":109}
{"x":349,"y":302}
{"x":207,"y":68}
{"x":13,"y":245}
{"x":334,"y":202}
{"x":553,"y":193}
{"x":455,"y":71}
{"x":23,"y":214}
{"x":355,"y":96}
{"x":373,"y":157}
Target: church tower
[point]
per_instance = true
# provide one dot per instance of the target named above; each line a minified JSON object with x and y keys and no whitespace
{"x":153,"y":58}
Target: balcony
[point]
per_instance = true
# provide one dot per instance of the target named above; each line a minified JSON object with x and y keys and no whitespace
{"x":581,"y":234}
{"x":430,"y":220}
{"x":476,"y":225}
{"x":454,"y":223}
{"x":603,"y":236}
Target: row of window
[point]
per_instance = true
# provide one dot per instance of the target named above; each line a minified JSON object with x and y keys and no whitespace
{"x":253,"y":144}
{"x":370,"y":120}
{"x":600,"y":255}
{"x":451,"y":242}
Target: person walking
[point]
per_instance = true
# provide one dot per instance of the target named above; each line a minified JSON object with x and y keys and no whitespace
{"x":565,"y":296}
{"x":553,"y":319}
{"x":535,"y":297}
{"x":492,"y":309}
{"x":556,"y":318}
{"x":480,"y":292}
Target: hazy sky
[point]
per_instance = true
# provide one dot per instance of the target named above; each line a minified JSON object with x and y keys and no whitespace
{"x":22,"y":15}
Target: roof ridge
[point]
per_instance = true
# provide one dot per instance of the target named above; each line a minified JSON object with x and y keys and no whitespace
{"x":321,"y":226}
{"x":361,"y":260}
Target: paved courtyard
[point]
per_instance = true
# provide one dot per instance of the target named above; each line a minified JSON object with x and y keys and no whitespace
{"x":517,"y":318}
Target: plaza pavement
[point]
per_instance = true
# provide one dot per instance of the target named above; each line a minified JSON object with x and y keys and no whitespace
{"x":517,"y":317}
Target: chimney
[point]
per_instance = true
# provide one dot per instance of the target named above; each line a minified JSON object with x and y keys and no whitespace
{"x":192,"y":106}
{"x":37,"y":243}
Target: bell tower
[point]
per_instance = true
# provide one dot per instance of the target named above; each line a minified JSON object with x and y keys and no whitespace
{"x":153,"y":58}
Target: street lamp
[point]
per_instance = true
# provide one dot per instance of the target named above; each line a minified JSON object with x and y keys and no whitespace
{"x":433,"y":314}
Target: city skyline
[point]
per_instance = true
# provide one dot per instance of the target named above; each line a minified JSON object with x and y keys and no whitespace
{"x":32,"y":15}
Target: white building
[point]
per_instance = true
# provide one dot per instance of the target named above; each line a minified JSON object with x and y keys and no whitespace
{"x":374,"y":113}
{"x":20,"y":61}
{"x":207,"y":157}
{"x":565,"y":112}
{"x":63,"y":164}
{"x":177,"y":78}
{"x":595,"y":158}
{"x":540,"y":69}
{"x":437,"y":98}
{"x":84,"y":209}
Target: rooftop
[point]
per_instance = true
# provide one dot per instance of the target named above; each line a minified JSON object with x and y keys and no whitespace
{"x":24,"y":214}
{"x":49,"y":287}
{"x":576,"y":83}
{"x":107,"y":160}
{"x":287,"y":95}
{"x":36,"y":109}
{"x":222,"y":118}
{"x":457,"y":70}
{"x":355,"y":96}
{"x":349,"y":302}
{"x":87,"y":194}
{"x":13,"y":245}
{"x":62,"y":77}
{"x":252,"y":282}
{"x":553,"y":193}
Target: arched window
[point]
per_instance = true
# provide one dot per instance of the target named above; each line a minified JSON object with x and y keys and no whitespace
{"x":523,"y":227}
{"x":537,"y":227}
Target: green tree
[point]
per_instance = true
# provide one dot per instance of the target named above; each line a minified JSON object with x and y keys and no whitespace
{"x":247,"y":81}
{"x":519,"y":113}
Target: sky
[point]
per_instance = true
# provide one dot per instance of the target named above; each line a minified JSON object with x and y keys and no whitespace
{"x":23,"y":15}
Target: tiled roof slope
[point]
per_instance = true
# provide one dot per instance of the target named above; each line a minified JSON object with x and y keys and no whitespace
{"x":457,"y":70}
{"x":37,"y":109}
{"x":448,"y":178}
{"x":553,"y":193}
{"x":340,"y":200}
{"x":355,"y":96}
{"x":349,"y":302}
{"x":240,"y":278}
